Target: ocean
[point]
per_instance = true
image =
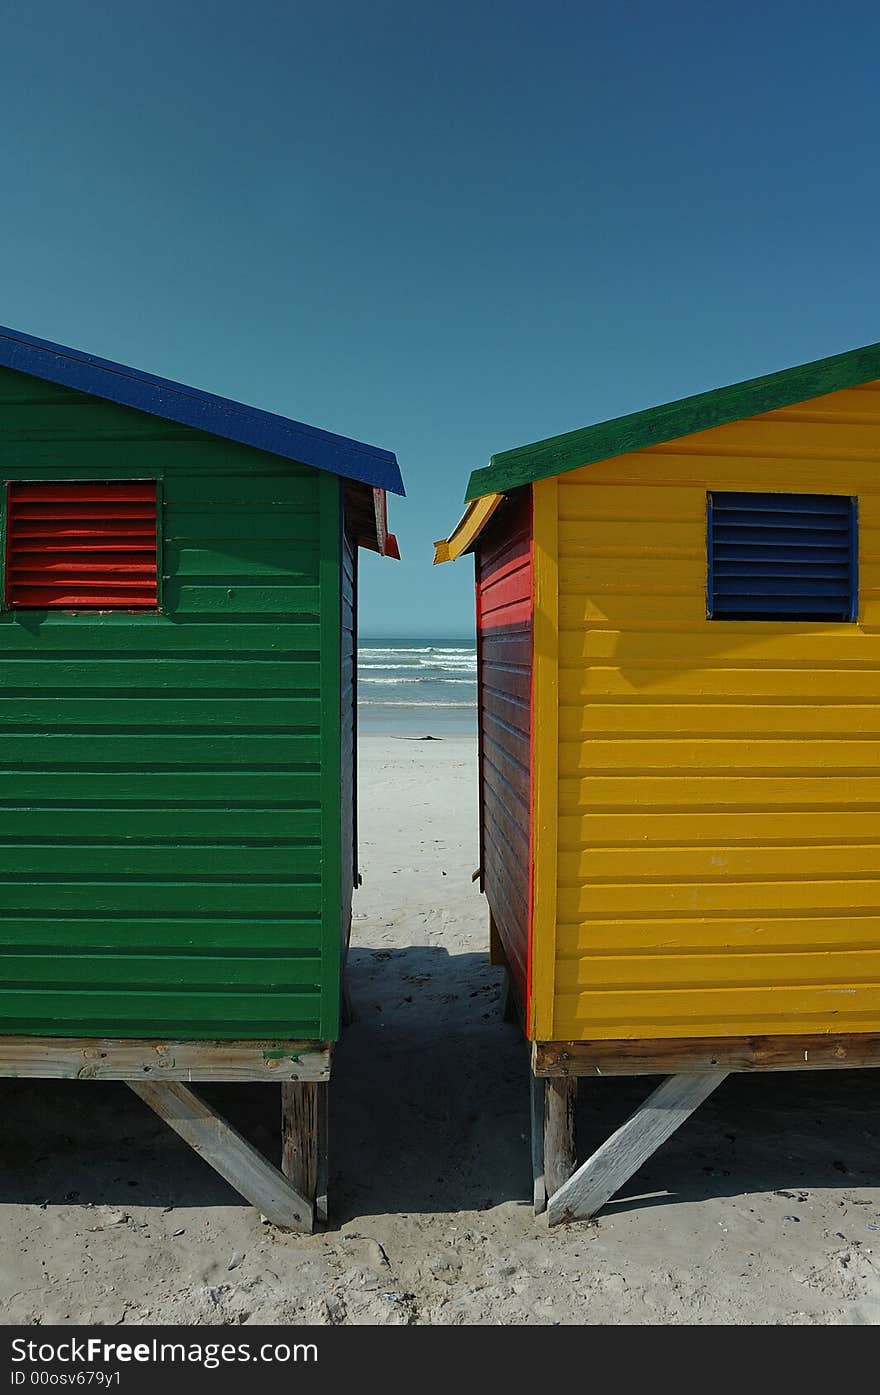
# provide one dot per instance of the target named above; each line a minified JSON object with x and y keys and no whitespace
{"x":424,"y":687}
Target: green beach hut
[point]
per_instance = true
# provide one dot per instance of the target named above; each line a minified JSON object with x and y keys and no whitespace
{"x":177,"y":769}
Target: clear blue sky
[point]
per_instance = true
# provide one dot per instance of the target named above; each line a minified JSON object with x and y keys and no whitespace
{"x":446,"y":229}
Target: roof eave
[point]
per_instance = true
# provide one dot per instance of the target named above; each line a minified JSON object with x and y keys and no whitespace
{"x":204,"y":411}
{"x":467,"y":530}
{"x":658,"y":425}
{"x":386,"y":543}
{"x":366,"y":519}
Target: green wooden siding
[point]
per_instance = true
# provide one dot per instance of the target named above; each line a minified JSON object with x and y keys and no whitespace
{"x":170,"y":783}
{"x":348,"y":736}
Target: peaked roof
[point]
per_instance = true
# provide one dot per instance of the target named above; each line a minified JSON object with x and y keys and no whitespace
{"x":653,"y":427}
{"x":220,"y":416}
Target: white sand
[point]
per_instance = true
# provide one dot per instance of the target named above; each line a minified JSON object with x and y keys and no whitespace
{"x":765,"y":1208}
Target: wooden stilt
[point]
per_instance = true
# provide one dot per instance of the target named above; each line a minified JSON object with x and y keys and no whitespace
{"x":536,"y":1098}
{"x":509,"y":1005}
{"x":560,"y":1148}
{"x":496,"y":947}
{"x":511,"y":1008}
{"x":304,"y":1141}
{"x":621,"y":1155}
{"x":215,"y":1140}
{"x":346,"y":1012}
{"x":322,"y":1178}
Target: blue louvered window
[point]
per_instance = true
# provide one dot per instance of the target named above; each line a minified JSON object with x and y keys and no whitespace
{"x":782,"y":557}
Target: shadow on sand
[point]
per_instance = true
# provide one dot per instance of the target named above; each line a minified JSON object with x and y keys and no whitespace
{"x":429,"y":1113}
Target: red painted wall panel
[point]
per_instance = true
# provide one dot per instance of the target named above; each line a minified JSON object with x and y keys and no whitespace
{"x":504,"y":662}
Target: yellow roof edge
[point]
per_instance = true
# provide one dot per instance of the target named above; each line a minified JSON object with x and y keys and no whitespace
{"x":473,"y":521}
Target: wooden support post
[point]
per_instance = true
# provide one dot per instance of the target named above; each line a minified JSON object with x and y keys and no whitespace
{"x":215,"y":1140}
{"x":496,"y":947}
{"x":509,"y":1004}
{"x":511,"y":1008}
{"x":621,"y":1155}
{"x":346,"y":1011}
{"x":536,"y":1101}
{"x":560,"y":1148}
{"x":304,"y":1141}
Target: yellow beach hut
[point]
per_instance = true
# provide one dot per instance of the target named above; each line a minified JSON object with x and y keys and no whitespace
{"x":678,"y":621}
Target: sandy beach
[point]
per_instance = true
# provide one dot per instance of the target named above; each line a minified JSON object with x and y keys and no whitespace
{"x":765,"y":1208}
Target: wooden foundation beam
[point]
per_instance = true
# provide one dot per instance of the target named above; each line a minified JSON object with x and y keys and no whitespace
{"x":675,"y":1056}
{"x":621,"y":1155}
{"x":236,"y":1160}
{"x":96,"y":1058}
{"x":304,"y":1130}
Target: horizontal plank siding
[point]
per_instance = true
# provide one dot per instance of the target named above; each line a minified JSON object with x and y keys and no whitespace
{"x":162,"y":790}
{"x":719,"y":781}
{"x":504,"y":639}
{"x":348,"y":744}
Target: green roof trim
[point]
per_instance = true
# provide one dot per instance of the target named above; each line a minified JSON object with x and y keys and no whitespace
{"x":556,"y":455}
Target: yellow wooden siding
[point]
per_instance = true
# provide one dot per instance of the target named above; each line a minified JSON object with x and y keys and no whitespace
{"x":718,"y":862}
{"x":545,"y":749}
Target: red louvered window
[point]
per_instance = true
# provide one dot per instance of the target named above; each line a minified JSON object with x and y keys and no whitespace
{"x":74,"y":546}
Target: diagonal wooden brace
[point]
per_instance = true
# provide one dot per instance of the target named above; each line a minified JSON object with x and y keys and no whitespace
{"x":621,"y":1155}
{"x":236,"y":1160}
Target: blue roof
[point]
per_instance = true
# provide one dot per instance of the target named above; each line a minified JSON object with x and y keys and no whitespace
{"x":191,"y":407}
